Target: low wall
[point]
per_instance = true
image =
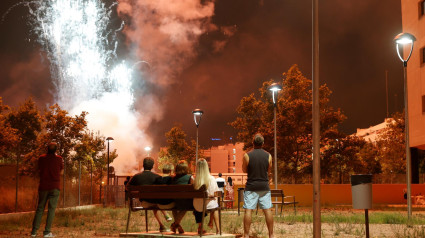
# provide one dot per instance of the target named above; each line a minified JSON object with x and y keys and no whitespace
{"x":340,"y":194}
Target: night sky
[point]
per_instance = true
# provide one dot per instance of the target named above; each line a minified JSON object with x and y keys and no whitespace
{"x":256,"y":41}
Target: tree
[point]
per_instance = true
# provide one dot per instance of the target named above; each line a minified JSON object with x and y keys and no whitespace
{"x":391,"y":144}
{"x":28,"y":124}
{"x":63,"y":129}
{"x":8,"y":135}
{"x":294,"y":121}
{"x":26,"y":120}
{"x":178,"y":148}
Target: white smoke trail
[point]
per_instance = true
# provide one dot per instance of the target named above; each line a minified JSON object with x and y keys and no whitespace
{"x":81,"y":50}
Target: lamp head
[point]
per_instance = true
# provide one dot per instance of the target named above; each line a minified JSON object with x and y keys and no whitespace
{"x":109,"y":138}
{"x":148,"y":148}
{"x":274,"y":88}
{"x":197,"y":114}
{"x":404,"y":38}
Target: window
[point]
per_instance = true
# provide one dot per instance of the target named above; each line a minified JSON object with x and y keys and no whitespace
{"x":423,"y":103}
{"x":234,"y":150}
{"x":234,"y":170}
{"x":234,"y":157}
{"x":421,"y":8}
{"x":234,"y":163}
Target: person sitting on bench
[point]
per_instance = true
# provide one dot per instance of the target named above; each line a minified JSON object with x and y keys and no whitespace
{"x":147,"y":177}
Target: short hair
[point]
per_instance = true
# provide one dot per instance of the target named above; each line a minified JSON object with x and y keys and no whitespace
{"x":258,"y":140}
{"x":52,"y":147}
{"x":148,"y":163}
{"x":182,"y":168}
{"x":219,"y":175}
{"x":167,"y":168}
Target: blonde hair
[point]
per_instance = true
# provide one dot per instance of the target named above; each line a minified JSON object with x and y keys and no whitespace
{"x":202,"y":174}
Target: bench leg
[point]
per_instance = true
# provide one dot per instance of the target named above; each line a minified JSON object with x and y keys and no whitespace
{"x":202,"y":222}
{"x":146,"y":220}
{"x":128,"y":219}
{"x":281,"y":209}
{"x":219,"y":218}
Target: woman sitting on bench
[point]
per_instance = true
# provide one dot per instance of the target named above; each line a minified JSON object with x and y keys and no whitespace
{"x":182,"y":177}
{"x":203,"y":177}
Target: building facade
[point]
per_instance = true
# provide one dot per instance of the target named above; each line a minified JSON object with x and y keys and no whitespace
{"x":225,"y":158}
{"x":413,"y":21}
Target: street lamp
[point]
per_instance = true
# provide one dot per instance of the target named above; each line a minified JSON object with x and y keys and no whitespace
{"x":275,"y":88}
{"x":197,"y":115}
{"x":406,"y":39}
{"x":107,"y":176}
{"x":148,"y":150}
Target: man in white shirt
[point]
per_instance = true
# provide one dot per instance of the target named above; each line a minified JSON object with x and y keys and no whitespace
{"x":221,"y":183}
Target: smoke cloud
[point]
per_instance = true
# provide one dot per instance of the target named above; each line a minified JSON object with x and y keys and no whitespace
{"x":165,"y":33}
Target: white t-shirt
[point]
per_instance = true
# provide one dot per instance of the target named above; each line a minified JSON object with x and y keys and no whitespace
{"x":223,"y":183}
{"x":211,"y":202}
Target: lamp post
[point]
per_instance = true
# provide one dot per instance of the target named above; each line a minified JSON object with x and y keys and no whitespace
{"x":406,"y":39}
{"x":275,"y":88}
{"x":107,"y":176}
{"x":197,"y":115}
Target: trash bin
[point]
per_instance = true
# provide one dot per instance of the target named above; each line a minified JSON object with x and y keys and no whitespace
{"x":361,"y":191}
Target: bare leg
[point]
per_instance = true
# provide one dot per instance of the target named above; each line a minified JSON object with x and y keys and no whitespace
{"x":210,"y":223}
{"x":215,"y":216}
{"x":247,"y":222}
{"x":155,"y":213}
{"x":269,"y":221}
{"x":179,"y":216}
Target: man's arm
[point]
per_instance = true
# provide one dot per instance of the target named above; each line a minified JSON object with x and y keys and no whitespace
{"x":270,"y":164}
{"x":245,"y":163}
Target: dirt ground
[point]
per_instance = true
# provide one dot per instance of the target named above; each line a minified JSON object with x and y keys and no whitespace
{"x":93,"y":227}
{"x":296,"y":230}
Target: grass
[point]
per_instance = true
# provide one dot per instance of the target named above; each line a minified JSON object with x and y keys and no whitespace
{"x":109,"y":222}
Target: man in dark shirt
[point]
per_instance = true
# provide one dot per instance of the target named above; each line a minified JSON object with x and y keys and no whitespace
{"x":50,"y":167}
{"x":257,"y":163}
{"x":147,"y":177}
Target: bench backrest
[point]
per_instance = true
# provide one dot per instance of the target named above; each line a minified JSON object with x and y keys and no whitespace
{"x":185,"y":191}
{"x":276,"y":192}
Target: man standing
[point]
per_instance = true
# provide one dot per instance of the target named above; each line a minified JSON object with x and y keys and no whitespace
{"x":147,"y":177}
{"x":257,"y":163}
{"x":221,"y":183}
{"x":50,"y":167}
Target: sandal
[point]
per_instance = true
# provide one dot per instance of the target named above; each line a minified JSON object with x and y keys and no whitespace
{"x":203,"y":231}
{"x":173,"y":227}
{"x":180,"y":229}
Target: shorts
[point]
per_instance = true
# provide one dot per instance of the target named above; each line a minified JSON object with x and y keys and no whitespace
{"x":250,"y":199}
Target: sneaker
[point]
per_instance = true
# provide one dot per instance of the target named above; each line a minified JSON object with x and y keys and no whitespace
{"x":33,"y":235}
{"x":168,"y":218}
{"x":49,"y":235}
{"x":163,"y":229}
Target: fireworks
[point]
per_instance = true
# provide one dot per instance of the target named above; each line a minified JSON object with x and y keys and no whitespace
{"x":81,"y":49}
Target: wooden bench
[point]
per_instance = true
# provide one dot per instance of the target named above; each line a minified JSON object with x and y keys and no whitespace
{"x":166,"y":192}
{"x":278,"y":193}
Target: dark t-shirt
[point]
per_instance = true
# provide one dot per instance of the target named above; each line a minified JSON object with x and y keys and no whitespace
{"x":258,"y":167}
{"x":148,"y":178}
{"x":50,"y":167}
